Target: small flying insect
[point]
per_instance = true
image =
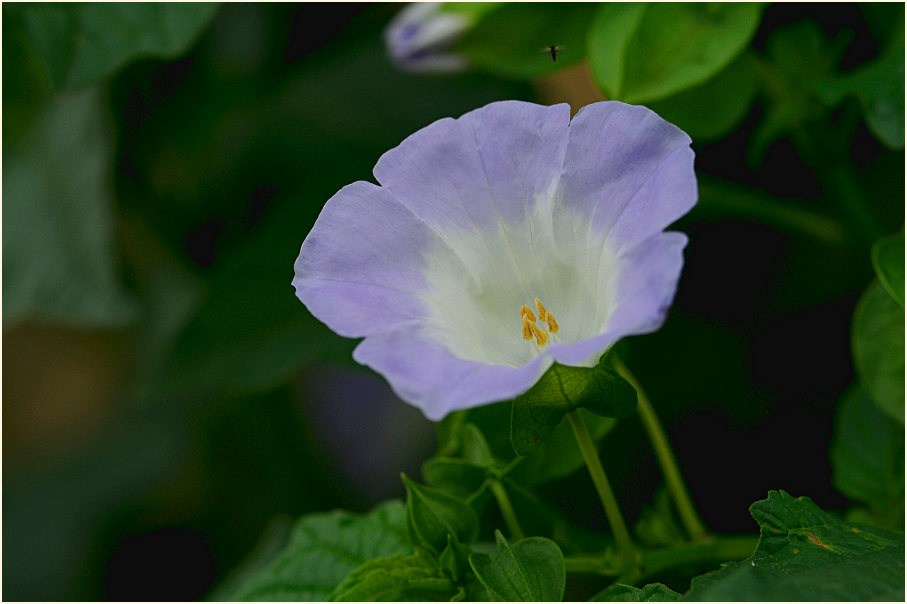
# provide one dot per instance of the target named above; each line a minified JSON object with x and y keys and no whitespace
{"x":552,"y":50}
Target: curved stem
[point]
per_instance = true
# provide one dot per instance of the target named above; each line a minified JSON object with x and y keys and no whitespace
{"x":602,"y":486}
{"x":513,"y":525}
{"x":715,"y":549}
{"x":691,"y":522}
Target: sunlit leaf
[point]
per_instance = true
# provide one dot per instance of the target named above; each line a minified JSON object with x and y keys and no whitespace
{"x":511,"y":40}
{"x":645,"y":52}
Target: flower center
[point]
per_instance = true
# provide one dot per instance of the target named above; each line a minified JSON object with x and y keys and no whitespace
{"x":531,"y":330}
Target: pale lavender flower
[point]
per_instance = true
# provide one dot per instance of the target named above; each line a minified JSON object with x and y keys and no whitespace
{"x":439,"y":268}
{"x":419,"y":36}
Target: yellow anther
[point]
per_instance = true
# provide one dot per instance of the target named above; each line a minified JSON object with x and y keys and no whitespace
{"x":527,"y":328}
{"x":542,"y":310}
{"x":526,"y":312}
{"x":541,"y":336}
{"x":531,"y":330}
{"x":552,"y":323}
{"x":546,"y":316}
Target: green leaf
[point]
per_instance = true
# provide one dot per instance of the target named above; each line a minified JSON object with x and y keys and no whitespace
{"x":562,"y":389}
{"x":433,"y":515}
{"x":454,"y":559}
{"x":458,"y":477}
{"x":807,"y":554}
{"x":397,"y":578}
{"x":532,"y":570}
{"x":82,"y":43}
{"x":511,"y":39}
{"x":325,"y":548}
{"x":800,"y":66}
{"x":475,"y":447}
{"x":654,"y":592}
{"x":59,"y":260}
{"x":878,"y":349}
{"x":888,"y":262}
{"x":879,"y":86}
{"x":728,"y":95}
{"x":657,"y":525}
{"x":867,"y":456}
{"x":646,"y":52}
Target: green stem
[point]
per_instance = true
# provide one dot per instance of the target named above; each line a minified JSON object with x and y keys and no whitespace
{"x":590,"y":455}
{"x":720,"y":199}
{"x":513,"y":525}
{"x":712,"y":550}
{"x":691,"y":522}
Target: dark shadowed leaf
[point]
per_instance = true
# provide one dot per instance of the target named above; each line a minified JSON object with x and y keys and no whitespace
{"x":81,"y":43}
{"x":59,"y":259}
{"x":654,"y":592}
{"x":888,"y":262}
{"x":867,"y":457}
{"x":323,"y":550}
{"x":532,"y":570}
{"x":562,"y":389}
{"x":434,"y":514}
{"x":878,"y":348}
{"x":807,"y":554}
{"x":397,"y":578}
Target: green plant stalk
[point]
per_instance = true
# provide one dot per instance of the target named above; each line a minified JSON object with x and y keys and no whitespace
{"x":691,"y":522}
{"x":513,"y":525}
{"x":602,"y":486}
{"x":714,"y":549}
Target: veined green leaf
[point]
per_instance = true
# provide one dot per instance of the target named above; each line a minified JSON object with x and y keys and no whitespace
{"x":323,"y":550}
{"x":562,"y":389}
{"x":395,"y":578}
{"x":532,"y":570}
{"x":807,"y":554}
{"x":432,"y":515}
{"x":654,"y":592}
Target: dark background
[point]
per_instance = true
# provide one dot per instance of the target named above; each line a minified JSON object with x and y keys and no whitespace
{"x":131,"y":480}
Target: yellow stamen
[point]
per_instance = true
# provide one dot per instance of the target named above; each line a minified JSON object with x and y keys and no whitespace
{"x":541,"y":336}
{"x":546,"y":316}
{"x":531,"y":330}
{"x":542,"y":310}
{"x":527,"y":328}
{"x":525,"y":312}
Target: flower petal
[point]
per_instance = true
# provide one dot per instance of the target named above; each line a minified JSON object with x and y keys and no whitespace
{"x":360,"y":268}
{"x":629,"y":171}
{"x":425,"y":374}
{"x":483,"y":170}
{"x":643,"y":287}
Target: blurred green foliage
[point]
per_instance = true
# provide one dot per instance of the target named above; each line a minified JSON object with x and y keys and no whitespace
{"x":163,"y":163}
